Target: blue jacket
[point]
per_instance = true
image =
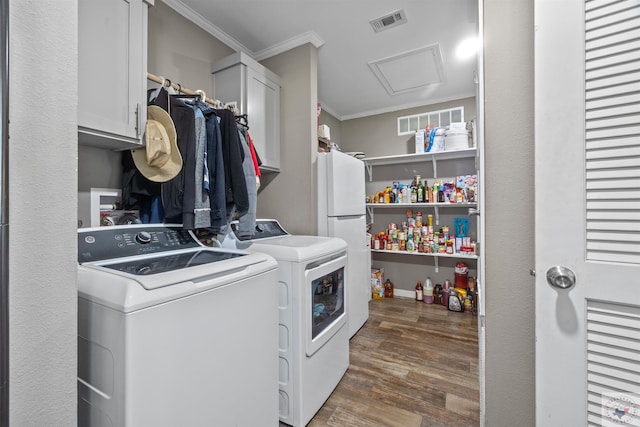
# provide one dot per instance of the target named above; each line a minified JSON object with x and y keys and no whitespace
{"x":215,"y":165}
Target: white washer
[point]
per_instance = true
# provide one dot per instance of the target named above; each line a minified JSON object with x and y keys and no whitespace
{"x":314,"y":338}
{"x":174,"y":334}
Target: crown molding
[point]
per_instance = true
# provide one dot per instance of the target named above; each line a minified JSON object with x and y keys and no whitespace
{"x":329,"y":110}
{"x":201,"y":22}
{"x":299,"y":40}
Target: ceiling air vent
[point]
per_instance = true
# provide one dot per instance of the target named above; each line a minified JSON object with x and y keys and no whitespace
{"x":389,"y":20}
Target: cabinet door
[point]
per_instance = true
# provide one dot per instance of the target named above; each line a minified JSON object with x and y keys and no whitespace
{"x":111,"y":68}
{"x":263,"y":109}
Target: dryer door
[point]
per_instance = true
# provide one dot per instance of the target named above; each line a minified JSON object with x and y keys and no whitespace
{"x":325,"y":301}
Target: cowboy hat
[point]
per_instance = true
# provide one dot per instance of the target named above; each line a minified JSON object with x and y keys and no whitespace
{"x":160,"y":160}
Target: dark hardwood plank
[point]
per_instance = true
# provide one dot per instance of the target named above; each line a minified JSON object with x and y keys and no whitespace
{"x":411,"y":365}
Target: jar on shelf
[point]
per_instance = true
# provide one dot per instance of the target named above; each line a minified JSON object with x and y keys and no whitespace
{"x":419,"y":220}
{"x":449,"y":246}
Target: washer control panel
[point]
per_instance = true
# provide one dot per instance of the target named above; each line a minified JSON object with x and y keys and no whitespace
{"x":123,"y":241}
{"x":264,"y":228}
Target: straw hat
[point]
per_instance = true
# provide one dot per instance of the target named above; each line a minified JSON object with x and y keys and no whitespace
{"x":160,"y":160}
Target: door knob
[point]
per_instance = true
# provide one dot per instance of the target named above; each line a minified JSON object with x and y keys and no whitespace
{"x":561,"y":277}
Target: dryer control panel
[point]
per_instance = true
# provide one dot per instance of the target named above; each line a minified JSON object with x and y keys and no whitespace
{"x":264,"y":228}
{"x":98,"y":244}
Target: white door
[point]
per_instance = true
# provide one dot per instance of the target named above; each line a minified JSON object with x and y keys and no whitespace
{"x":345,"y":184}
{"x":587,"y":155}
{"x":353,"y":231}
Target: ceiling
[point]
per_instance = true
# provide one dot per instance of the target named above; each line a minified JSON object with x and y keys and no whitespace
{"x":360,"y":71}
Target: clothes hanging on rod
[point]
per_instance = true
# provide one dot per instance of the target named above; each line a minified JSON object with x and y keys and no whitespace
{"x":220,"y":174}
{"x":232,"y":153}
{"x":215,"y":169}
{"x":202,"y":206}
{"x":247,"y":221}
{"x":178,"y":197}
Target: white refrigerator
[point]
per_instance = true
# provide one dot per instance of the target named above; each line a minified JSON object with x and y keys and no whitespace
{"x":342,"y":213}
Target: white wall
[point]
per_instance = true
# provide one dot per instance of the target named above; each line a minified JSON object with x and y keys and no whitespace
{"x":42,"y":213}
{"x":291,"y":195}
{"x":510,"y":335}
{"x":181,"y":51}
{"x":378,"y":135}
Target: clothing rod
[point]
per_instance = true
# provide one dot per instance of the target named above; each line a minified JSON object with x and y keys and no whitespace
{"x":182,"y":89}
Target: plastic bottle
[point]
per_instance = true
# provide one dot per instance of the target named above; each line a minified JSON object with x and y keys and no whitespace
{"x":455,"y":303}
{"x":461,"y":275}
{"x":406,"y":194}
{"x":388,"y":288}
{"x":419,"y":290}
{"x":445,"y":292}
{"x":428,"y":291}
{"x":441,"y":194}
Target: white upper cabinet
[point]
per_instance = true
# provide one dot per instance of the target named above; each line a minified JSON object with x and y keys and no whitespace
{"x":112,"y":72}
{"x":241,"y":79}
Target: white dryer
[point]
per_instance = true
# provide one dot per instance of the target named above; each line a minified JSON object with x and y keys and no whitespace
{"x":314,"y":337}
{"x":169,"y":332}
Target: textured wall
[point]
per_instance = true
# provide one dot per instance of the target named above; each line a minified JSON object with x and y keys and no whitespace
{"x":509,"y":142}
{"x":291,"y":195}
{"x":378,"y":135}
{"x":42,"y":215}
{"x":180,"y":50}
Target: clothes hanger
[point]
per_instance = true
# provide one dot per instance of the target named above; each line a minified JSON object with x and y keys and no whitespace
{"x":243,"y":121}
{"x":153,"y":95}
{"x":199,"y":94}
{"x":232,"y":106}
{"x":203,"y":95}
{"x":169,"y":87}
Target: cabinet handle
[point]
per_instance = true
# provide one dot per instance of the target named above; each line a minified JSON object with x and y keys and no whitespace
{"x":137,"y":120}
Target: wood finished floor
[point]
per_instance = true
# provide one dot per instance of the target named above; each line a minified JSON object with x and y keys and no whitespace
{"x":411,"y":365}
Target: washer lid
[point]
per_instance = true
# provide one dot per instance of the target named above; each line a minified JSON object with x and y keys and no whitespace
{"x":296,"y":248}
{"x":138,"y":282}
{"x":170,"y":262}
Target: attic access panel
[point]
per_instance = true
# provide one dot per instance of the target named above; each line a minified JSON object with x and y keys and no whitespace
{"x":410,"y":71}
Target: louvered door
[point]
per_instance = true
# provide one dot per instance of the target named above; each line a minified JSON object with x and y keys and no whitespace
{"x":587,"y":114}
